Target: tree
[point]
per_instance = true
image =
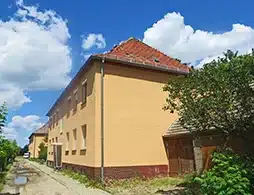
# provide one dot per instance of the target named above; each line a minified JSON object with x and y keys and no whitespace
{"x":3,"y":113}
{"x":218,"y":96}
{"x":24,"y":150}
{"x":8,"y":151}
{"x":43,"y":151}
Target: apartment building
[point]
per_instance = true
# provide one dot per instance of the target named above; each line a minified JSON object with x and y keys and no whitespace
{"x":109,"y":120}
{"x":35,"y":139}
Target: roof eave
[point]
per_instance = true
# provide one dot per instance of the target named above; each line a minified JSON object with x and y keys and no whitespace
{"x":70,"y":84}
{"x":146,"y":66}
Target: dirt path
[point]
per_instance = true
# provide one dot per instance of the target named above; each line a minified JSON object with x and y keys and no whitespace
{"x":30,"y":178}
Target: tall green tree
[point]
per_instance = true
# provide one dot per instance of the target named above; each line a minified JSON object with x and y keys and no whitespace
{"x":43,"y":151}
{"x":3,"y":113}
{"x":217,"y":96}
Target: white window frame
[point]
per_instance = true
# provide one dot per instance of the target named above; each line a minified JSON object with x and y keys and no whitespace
{"x":67,"y":141}
{"x":69,"y":105}
{"x":84,"y":100}
{"x":75,"y":102}
{"x":84,"y":138}
{"x":74,"y":140}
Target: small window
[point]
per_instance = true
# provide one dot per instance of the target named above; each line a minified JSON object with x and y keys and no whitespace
{"x":53,"y":140}
{"x":67,"y":141}
{"x":57,"y":116}
{"x":56,"y":139}
{"x":50,"y":123}
{"x":84,"y":92}
{"x":54,"y":120}
{"x":49,"y":141}
{"x":75,"y":102}
{"x":74,"y":144}
{"x":69,"y":106}
{"x":84,"y":136}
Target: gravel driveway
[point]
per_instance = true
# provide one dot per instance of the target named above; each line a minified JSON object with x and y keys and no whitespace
{"x":31,"y":178}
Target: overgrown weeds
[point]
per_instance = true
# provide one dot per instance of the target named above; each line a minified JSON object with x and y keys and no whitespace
{"x":142,"y":186}
{"x":41,"y":161}
{"x":83,"y":179}
{"x":3,"y":176}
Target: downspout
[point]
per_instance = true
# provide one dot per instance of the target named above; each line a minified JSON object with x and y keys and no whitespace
{"x":102,"y":120}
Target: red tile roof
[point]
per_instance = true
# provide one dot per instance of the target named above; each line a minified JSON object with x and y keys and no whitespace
{"x":136,"y":51}
{"x":41,"y":131}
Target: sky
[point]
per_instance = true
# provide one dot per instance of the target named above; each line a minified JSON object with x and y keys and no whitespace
{"x":43,"y":43}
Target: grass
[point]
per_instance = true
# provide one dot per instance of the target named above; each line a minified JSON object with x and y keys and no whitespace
{"x":3,"y":176}
{"x":142,"y":187}
{"x":41,"y":161}
{"x":83,"y":179}
{"x":131,"y":186}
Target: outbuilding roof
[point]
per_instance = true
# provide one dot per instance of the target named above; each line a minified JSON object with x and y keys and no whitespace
{"x":41,"y":131}
{"x":176,"y":129}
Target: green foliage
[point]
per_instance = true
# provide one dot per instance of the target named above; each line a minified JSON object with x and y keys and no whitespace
{"x":43,"y":151}
{"x":24,"y":150}
{"x":8,"y":151}
{"x":217,"y":96}
{"x":3,"y":113}
{"x":41,"y":161}
{"x":82,"y":178}
{"x":231,"y":174}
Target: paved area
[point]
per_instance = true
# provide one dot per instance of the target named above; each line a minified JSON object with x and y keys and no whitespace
{"x":42,"y":180}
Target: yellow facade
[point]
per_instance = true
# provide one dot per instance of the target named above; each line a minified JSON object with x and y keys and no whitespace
{"x":133,"y":115}
{"x":34,"y":142}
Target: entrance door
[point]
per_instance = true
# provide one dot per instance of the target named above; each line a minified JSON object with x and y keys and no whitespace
{"x":180,"y":155}
{"x":57,"y":149}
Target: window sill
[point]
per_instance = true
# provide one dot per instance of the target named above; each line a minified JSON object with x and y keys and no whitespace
{"x":83,"y":104}
{"x":83,"y":149}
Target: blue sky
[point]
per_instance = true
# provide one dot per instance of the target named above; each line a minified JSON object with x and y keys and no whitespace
{"x":43,"y":43}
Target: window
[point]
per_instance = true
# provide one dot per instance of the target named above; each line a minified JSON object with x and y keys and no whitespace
{"x":49,"y":141}
{"x":84,"y":92}
{"x":57,"y":116}
{"x":54,"y":120}
{"x":74,"y":144}
{"x":69,"y":106}
{"x":61,"y":125}
{"x":75,"y":102}
{"x":84,"y":135}
{"x":53,"y":140}
{"x":50,"y":123}
{"x":67,"y":141}
{"x":56,"y":139}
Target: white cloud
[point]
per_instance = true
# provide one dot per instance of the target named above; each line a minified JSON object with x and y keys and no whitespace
{"x":92,"y":40}
{"x":34,"y":53}
{"x":20,"y":126}
{"x":172,"y":36}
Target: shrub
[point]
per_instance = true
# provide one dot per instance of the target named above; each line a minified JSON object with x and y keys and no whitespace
{"x":230,"y":174}
{"x":43,"y":151}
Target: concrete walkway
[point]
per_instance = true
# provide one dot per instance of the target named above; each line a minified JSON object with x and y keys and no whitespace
{"x":72,"y":187}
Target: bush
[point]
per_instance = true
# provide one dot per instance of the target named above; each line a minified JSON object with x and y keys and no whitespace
{"x":43,"y":151}
{"x":230,"y":174}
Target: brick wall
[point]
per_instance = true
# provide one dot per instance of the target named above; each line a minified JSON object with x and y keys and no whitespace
{"x":123,"y":172}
